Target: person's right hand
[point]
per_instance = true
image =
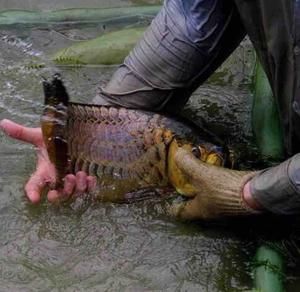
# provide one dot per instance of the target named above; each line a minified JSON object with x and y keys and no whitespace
{"x":211,"y":191}
{"x":45,"y":176}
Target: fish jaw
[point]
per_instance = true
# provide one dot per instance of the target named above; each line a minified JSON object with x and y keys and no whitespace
{"x":177,"y":178}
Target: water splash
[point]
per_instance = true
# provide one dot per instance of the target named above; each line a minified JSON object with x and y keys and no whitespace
{"x":21,"y":45}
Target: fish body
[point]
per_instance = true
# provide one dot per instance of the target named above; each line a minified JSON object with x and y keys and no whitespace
{"x":126,"y":149}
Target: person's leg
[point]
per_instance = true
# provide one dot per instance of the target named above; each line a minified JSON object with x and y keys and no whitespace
{"x":274,"y":29}
{"x":184,"y":45}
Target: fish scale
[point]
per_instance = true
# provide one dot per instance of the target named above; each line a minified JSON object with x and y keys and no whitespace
{"x":126,"y":149}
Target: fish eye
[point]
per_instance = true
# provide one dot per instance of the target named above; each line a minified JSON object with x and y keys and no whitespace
{"x":196,"y":152}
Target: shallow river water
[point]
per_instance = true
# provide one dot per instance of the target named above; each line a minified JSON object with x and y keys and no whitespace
{"x":112,"y":247}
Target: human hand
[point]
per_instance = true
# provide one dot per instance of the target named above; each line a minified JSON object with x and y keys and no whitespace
{"x":44,"y":175}
{"x":212,"y":191}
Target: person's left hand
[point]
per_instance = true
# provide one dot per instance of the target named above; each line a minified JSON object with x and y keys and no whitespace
{"x":45,"y":175}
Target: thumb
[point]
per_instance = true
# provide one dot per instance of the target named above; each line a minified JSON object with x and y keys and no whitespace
{"x":205,"y":175}
{"x":34,"y":188}
{"x":195,"y":169}
{"x":19,"y":132}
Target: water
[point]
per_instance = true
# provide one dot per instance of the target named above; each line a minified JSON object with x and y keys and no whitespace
{"x":57,"y":4}
{"x":111,"y":247}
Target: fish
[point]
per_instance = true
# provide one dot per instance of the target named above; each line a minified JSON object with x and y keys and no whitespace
{"x":128,"y":150}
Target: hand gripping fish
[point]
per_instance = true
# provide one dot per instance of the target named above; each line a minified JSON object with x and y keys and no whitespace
{"x":127,"y":150}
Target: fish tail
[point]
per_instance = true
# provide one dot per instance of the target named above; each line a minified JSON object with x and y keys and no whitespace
{"x":54,"y":126}
{"x":55,"y":92}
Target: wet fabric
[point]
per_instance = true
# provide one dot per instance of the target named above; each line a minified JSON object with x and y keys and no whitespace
{"x":277,"y":189}
{"x":189,"y":39}
{"x":185,"y":44}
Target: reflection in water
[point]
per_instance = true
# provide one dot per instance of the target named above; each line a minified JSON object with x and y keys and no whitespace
{"x":84,"y":247}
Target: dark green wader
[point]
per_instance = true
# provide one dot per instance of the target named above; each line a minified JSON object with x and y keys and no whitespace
{"x":274,"y":29}
{"x":265,"y":117}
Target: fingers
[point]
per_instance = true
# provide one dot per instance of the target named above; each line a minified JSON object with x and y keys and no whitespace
{"x":64,"y":194}
{"x":200,"y":174}
{"x":74,"y":186}
{"x":187,"y":162}
{"x":34,"y":188}
{"x":54,"y":196}
{"x":69,"y":185}
{"x":81,"y":183}
{"x":91,"y":183}
{"x":84,"y":183}
{"x":19,"y":132}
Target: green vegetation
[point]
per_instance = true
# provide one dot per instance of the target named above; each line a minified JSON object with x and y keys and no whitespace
{"x":265,"y":117}
{"x":82,"y":15}
{"x":108,"y":49}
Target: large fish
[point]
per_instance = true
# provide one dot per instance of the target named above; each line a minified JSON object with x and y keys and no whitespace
{"x":127,"y":150}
